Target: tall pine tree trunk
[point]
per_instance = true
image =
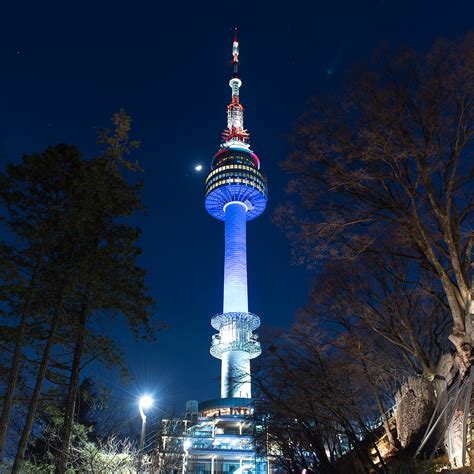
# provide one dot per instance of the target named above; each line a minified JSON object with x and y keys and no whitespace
{"x":16,"y":360}
{"x":72,"y":391}
{"x":25,"y":435}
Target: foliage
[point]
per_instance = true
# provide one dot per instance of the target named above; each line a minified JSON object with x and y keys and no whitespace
{"x":99,"y":456}
{"x":75,"y":267}
{"x":117,"y":142}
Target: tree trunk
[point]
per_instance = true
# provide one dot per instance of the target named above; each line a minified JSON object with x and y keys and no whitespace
{"x":361,"y":457}
{"x":16,"y":360}
{"x":325,"y":465}
{"x":385,"y":420}
{"x":363,"y":449}
{"x":463,"y":360}
{"x":72,"y":392}
{"x":39,"y":383}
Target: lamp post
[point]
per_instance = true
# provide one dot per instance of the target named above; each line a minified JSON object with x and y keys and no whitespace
{"x":186,"y":445}
{"x":145,"y":402}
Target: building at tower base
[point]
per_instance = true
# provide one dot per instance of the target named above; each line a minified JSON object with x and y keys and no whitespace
{"x":217,"y":440}
{"x":222,"y":441}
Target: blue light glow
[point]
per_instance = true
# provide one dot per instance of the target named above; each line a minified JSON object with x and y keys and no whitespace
{"x":235,"y":266}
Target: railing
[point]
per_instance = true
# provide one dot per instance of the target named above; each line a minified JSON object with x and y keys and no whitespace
{"x":252,"y":347}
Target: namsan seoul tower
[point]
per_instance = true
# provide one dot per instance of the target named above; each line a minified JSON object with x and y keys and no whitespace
{"x":236,"y":192}
{"x":218,"y":435}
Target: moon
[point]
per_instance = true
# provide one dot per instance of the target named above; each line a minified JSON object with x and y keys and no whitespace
{"x":198,"y":168}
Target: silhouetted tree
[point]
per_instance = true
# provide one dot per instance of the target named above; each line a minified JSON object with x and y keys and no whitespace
{"x":71,"y":213}
{"x":392,"y":298}
{"x":392,"y":155}
{"x":312,"y":396}
{"x":33,"y":212}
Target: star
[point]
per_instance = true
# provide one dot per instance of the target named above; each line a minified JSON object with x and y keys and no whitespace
{"x":198,"y":168}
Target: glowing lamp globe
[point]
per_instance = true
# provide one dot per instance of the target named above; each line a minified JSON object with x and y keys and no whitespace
{"x":146,"y":402}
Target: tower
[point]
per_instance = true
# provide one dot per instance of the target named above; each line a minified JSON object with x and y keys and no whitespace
{"x":220,"y":439}
{"x":236,"y":192}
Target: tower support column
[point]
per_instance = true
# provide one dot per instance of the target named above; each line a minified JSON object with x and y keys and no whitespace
{"x":235,"y":265}
{"x":235,"y":376}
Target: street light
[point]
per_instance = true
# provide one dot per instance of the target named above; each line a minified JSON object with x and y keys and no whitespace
{"x":144,"y":403}
{"x":186,"y":445}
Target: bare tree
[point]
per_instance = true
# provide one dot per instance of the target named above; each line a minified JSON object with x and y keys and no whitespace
{"x":313,"y":396}
{"x":111,"y":454}
{"x":393,"y":155}
{"x":387,"y":298}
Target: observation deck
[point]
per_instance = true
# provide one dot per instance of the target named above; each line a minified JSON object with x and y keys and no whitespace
{"x":235,"y":334}
{"x":235,"y":176}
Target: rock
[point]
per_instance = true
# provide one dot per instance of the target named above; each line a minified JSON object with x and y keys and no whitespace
{"x":415,"y":401}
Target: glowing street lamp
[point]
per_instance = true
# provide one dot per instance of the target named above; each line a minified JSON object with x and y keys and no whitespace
{"x":144,"y":403}
{"x":187,"y":444}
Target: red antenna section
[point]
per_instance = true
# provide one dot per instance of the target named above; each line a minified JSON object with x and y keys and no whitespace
{"x":235,"y":134}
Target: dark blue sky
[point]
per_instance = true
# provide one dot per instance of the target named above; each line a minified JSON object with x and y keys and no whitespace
{"x":67,"y":66}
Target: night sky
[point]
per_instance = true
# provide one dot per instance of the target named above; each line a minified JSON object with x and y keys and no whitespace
{"x":68,"y":66}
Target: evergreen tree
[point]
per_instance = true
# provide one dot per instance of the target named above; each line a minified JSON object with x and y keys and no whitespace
{"x":33,"y":194}
{"x":111,"y":281}
{"x":80,"y":258}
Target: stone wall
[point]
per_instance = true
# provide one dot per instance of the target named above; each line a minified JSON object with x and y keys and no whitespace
{"x":415,"y":401}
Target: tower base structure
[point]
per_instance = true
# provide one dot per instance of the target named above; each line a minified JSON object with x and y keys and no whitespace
{"x":221,"y":440}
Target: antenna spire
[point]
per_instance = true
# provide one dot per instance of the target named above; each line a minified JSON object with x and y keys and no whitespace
{"x":235,"y":54}
{"x":235,"y":132}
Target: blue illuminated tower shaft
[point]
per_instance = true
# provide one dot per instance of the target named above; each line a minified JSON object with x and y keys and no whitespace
{"x":235,"y":368}
{"x":235,"y":264}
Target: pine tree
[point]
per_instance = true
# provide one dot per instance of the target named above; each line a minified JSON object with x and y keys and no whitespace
{"x":33,"y":194}
{"x":111,"y":282}
{"x":81,"y":261}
